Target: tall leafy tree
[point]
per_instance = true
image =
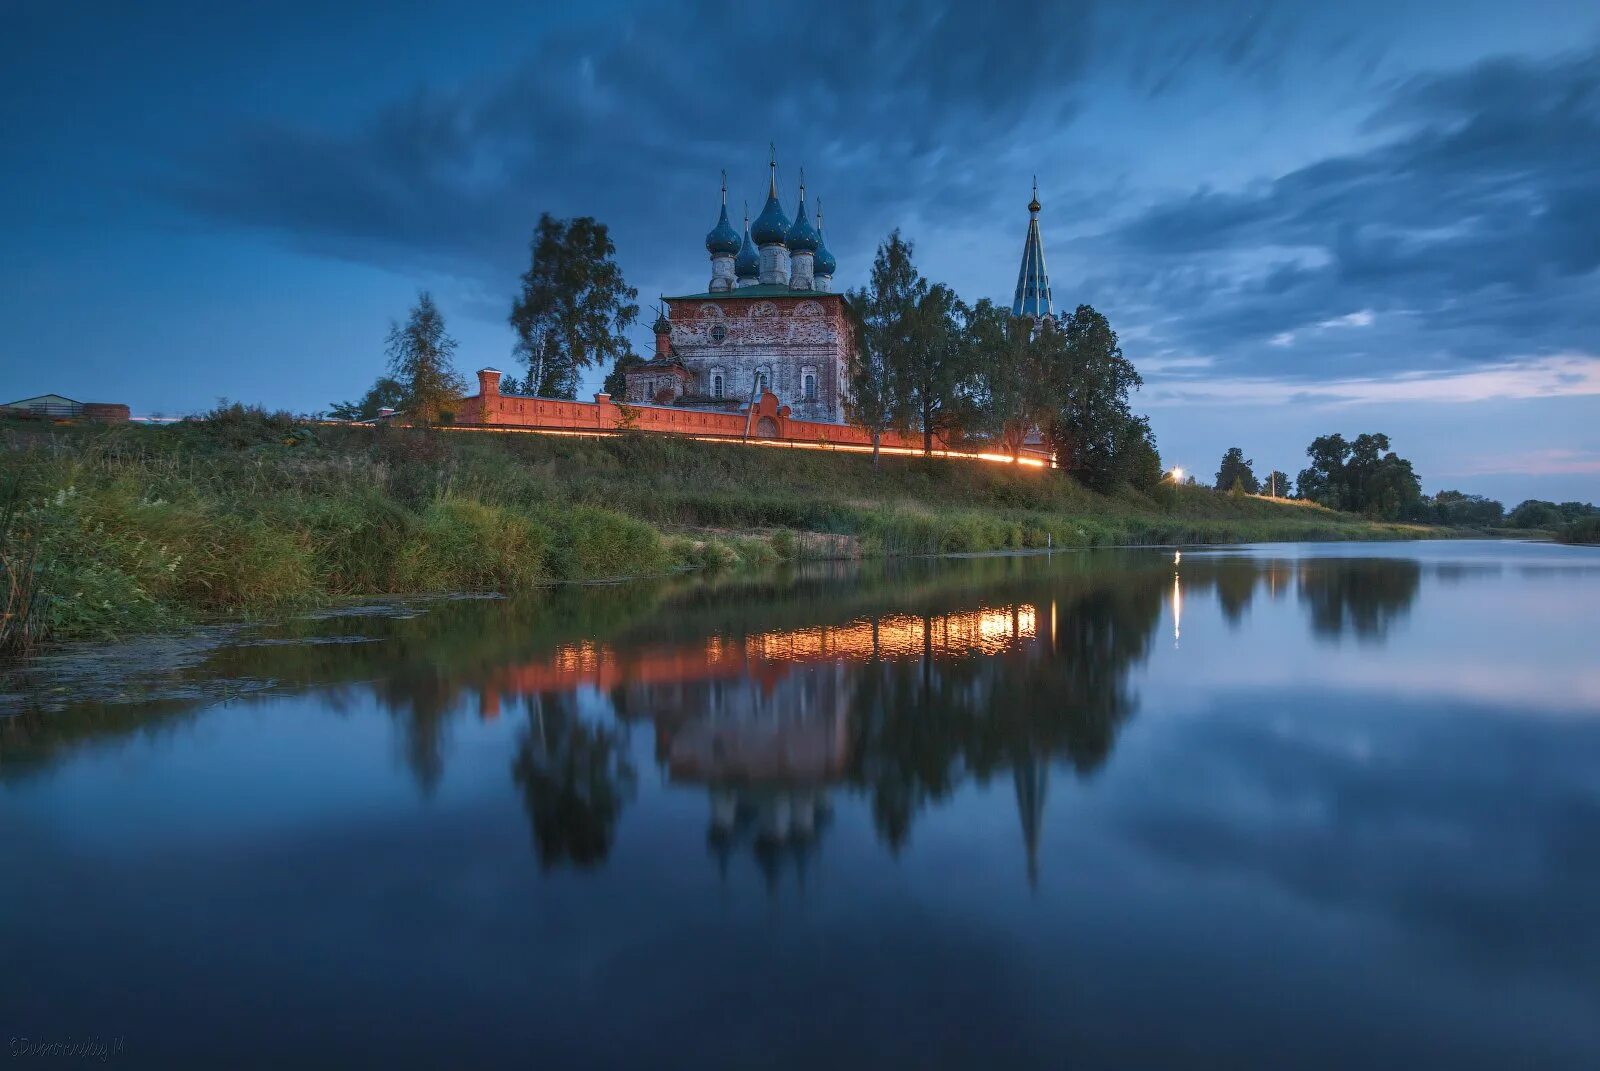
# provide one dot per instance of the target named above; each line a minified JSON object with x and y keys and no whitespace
{"x":1013,"y":362}
{"x":884,"y":317}
{"x":1361,"y":476}
{"x":1237,"y":471}
{"x":574,"y":307}
{"x":937,"y":366}
{"x":1323,"y":480}
{"x":1092,"y":426}
{"x":420,"y":361}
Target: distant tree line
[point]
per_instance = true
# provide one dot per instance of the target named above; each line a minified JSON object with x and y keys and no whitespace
{"x":1365,"y":476}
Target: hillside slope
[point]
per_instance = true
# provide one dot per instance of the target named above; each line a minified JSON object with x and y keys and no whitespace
{"x":135,"y":528}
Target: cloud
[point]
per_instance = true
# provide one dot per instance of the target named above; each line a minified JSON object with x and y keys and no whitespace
{"x":1469,"y":229}
{"x":1463,"y":229}
{"x":632,"y":125}
{"x":1560,"y":376}
{"x":909,"y":109}
{"x":1364,"y":318}
{"x":1548,"y":462}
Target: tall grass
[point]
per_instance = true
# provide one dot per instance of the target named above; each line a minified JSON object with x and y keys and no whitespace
{"x":1582,"y":530}
{"x":21,"y":621}
{"x":116,"y":530}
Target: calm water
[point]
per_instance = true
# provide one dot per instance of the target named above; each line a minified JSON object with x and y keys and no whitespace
{"x":1286,"y":806}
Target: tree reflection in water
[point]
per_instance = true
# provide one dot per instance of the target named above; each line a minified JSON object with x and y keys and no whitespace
{"x":1361,"y":597}
{"x":575,"y":778}
{"x":922,"y":728}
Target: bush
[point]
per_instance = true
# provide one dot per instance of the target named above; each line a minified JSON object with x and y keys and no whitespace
{"x":592,"y":543}
{"x":1583,"y":530}
{"x":461,"y":545}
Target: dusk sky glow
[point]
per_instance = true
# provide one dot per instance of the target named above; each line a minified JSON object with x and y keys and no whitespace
{"x":1300,"y":218}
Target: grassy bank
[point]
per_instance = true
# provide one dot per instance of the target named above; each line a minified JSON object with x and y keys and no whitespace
{"x":118,"y":530}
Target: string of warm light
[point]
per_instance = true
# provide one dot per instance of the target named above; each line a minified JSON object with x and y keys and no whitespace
{"x":788,"y":444}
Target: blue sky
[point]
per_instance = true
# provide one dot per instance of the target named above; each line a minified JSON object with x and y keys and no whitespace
{"x":1301,"y":218}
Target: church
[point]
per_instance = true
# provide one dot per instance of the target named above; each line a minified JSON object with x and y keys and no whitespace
{"x":768,"y":321}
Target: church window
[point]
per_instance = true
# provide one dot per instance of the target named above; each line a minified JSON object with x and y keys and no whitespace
{"x":810,"y":388}
{"x":716,"y":383}
{"x":719,"y":333}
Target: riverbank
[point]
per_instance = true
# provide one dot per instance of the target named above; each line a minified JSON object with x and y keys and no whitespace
{"x":115,"y":531}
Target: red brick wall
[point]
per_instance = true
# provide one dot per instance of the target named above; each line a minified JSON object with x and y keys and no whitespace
{"x":494,"y":409}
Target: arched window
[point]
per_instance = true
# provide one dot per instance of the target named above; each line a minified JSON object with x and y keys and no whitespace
{"x":808,"y":384}
{"x":715,"y":382}
{"x":763,"y":381}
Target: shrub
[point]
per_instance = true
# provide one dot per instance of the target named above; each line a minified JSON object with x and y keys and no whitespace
{"x":461,"y":545}
{"x":592,"y":543}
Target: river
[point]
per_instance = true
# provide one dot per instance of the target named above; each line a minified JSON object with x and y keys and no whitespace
{"x":1321,"y":805}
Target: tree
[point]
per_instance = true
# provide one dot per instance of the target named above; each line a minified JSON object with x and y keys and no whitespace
{"x":1458,"y":508}
{"x":883,"y":315}
{"x":1014,"y":362}
{"x":1136,"y":461}
{"x":616,"y":383}
{"x":1276,"y":484}
{"x":1091,"y":425}
{"x":1323,"y":480}
{"x":1534,"y":513}
{"x":386,"y":393}
{"x":420,"y":361}
{"x":1236,"y":471}
{"x":936,"y":366}
{"x":574,"y":306}
{"x":1363,"y":476}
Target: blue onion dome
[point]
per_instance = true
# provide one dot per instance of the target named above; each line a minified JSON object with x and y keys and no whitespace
{"x":802,"y":236}
{"x":747,"y":265}
{"x":723,"y":239}
{"x":771,"y":226}
{"x":824,"y":264}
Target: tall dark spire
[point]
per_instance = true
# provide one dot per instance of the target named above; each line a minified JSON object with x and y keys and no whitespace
{"x":1033,"y":282}
{"x":1032,"y":775}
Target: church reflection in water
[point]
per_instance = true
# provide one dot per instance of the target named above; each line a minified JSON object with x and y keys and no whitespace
{"x":901,"y":706}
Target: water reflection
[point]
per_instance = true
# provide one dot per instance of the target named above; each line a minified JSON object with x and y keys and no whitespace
{"x":772,"y":696}
{"x":1351,"y":789}
{"x":1363,"y":599}
{"x":575,"y":777}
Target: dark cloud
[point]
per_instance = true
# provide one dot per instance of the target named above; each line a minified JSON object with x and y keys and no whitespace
{"x":629,"y":125}
{"x":901,"y":107}
{"x":1468,"y":226}
{"x":1472,"y":231}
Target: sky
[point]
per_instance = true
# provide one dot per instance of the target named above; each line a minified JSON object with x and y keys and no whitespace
{"x":1300,"y":218}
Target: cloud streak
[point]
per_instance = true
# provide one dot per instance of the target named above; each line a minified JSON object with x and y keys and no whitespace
{"x":1560,"y":376}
